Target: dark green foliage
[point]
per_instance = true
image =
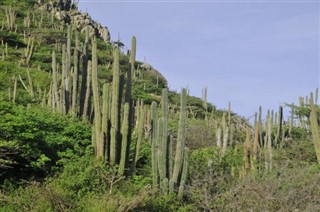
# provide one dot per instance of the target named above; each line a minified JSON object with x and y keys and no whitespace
{"x":34,"y":134}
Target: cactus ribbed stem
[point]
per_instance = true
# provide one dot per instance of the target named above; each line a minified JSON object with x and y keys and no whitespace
{"x":124,"y":143}
{"x":218,"y":135}
{"x":315,"y":128}
{"x":55,"y":94}
{"x":160,"y":136}
{"x":140,"y":137}
{"x":270,"y":121}
{"x":154,"y":144}
{"x":246,"y":149}
{"x":184,"y":172}
{"x":75,"y":78}
{"x":181,"y":138}
{"x":84,"y":80}
{"x":105,"y":118}
{"x":115,"y":109}
{"x":279,"y":127}
{"x":225,"y":141}
{"x":96,"y":101}
{"x":164,"y":141}
{"x":261,"y":126}
{"x":256,"y":141}
{"x":88,"y":91}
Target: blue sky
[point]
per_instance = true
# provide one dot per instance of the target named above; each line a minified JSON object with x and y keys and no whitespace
{"x":248,"y":52}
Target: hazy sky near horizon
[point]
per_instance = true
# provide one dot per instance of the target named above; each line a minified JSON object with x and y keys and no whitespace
{"x":248,"y":52}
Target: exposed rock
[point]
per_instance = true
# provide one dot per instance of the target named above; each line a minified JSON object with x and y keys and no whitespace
{"x":67,"y":11}
{"x":146,"y":66}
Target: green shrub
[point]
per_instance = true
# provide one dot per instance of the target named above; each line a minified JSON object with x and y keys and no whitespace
{"x":42,"y":139}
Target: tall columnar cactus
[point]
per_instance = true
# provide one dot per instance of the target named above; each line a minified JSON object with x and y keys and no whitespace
{"x":204,"y":101}
{"x":164,"y":141}
{"x":11,"y":15}
{"x":261,"y":125}
{"x":133,"y":52}
{"x":279,"y":127}
{"x":246,"y":152}
{"x":140,"y":130}
{"x":225,"y":141}
{"x":315,"y":128}
{"x":229,"y":114}
{"x":168,"y":174}
{"x":115,"y":110}
{"x":255,"y":156}
{"x":154,"y":143}
{"x":96,"y":103}
{"x":75,"y":77}
{"x":28,"y":51}
{"x":269,"y":136}
{"x":178,"y":161}
{"x":88,"y":91}
{"x":218,"y":135}
{"x":15,"y":83}
{"x":124,"y":143}
{"x":106,"y":117}
{"x":184,"y":172}
{"x":55,"y":91}
{"x":84,"y":76}
{"x":291,"y":119}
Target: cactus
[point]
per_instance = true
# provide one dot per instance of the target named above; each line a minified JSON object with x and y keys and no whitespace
{"x":154,"y":143}
{"x":261,"y":125}
{"x":87,"y":98}
{"x":246,"y":151}
{"x":28,"y":51}
{"x":291,"y":119}
{"x":279,"y":126}
{"x":106,"y":117}
{"x":225,"y":141}
{"x":204,"y":101}
{"x":75,"y":77}
{"x":124,"y":143}
{"x":315,"y":128}
{"x":184,"y":172}
{"x":256,"y":146}
{"x":140,"y":137}
{"x":84,"y":76}
{"x":55,"y":94}
{"x":96,"y":102}
{"x":232,"y":130}
{"x":30,"y":87}
{"x":164,"y":141}
{"x":218,"y":135}
{"x":11,"y":15}
{"x":181,"y":138}
{"x":269,"y":145}
{"x":161,"y":167}
{"x":165,"y":171}
{"x":14,"y":89}
{"x":115,"y":110}
{"x":132,"y":58}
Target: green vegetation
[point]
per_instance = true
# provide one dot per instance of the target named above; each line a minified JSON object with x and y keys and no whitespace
{"x":86,"y":127}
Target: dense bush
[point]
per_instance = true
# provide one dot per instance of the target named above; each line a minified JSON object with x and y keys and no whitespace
{"x":34,"y":141}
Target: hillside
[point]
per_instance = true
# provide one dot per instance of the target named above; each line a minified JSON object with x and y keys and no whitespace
{"x":86,"y":127}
